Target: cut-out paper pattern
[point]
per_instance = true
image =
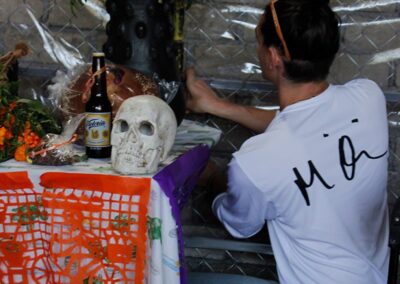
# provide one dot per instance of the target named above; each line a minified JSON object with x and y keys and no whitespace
{"x":77,"y":228}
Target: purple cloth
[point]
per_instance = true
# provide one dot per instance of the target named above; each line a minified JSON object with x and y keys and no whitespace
{"x":177,"y":181}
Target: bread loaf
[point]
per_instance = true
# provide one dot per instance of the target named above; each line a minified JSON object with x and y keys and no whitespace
{"x":122,"y":83}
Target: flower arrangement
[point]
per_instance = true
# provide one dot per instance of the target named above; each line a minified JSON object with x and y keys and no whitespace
{"x":22,"y":121}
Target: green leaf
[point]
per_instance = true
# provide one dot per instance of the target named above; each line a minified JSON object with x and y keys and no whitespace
{"x":35,"y":106}
{"x":23,"y":209}
{"x":43,"y":217}
{"x":33,"y":208}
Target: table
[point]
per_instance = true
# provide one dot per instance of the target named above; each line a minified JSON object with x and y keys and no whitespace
{"x":80,"y":223}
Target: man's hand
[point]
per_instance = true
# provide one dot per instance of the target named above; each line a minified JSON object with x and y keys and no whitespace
{"x":201,"y":98}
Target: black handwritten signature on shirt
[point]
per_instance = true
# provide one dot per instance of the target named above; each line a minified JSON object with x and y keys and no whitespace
{"x":347,"y":164}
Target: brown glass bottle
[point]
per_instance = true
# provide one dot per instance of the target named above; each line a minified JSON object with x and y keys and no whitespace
{"x":98,"y":113}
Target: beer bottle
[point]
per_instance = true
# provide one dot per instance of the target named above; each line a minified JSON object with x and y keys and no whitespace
{"x":98,"y":113}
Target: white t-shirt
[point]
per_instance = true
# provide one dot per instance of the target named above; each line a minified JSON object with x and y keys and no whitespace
{"x":318,"y":176}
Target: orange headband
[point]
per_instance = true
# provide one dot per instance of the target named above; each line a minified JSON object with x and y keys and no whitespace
{"x":278,"y":30}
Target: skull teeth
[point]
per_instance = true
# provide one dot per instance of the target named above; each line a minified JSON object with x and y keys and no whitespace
{"x":130,"y":156}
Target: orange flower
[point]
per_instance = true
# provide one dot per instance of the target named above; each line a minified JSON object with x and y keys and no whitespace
{"x":20,"y":153}
{"x":12,"y":105}
{"x":12,"y":119}
{"x":31,"y":139}
{"x":9,"y":135}
{"x":3,"y":132}
{"x":8,"y":123}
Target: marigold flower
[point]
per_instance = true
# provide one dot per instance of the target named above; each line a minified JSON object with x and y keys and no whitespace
{"x":31,"y":139}
{"x":20,"y":153}
{"x":8,"y":135}
{"x":9,"y":123}
{"x":12,"y":105}
{"x":21,"y":123}
{"x":3,"y":132}
{"x":12,"y":119}
{"x":2,"y":112}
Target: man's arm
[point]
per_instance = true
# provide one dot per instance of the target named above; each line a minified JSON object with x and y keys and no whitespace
{"x":202,"y":99}
{"x":243,"y":209}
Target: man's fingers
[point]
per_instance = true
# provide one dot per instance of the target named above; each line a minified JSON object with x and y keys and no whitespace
{"x":190,"y":78}
{"x":85,"y":98}
{"x":190,"y":75}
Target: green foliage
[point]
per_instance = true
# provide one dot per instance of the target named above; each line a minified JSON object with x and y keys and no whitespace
{"x":15,"y":112}
{"x":42,"y":121}
{"x":28,"y":213}
{"x":121,"y":221}
{"x":94,"y":281}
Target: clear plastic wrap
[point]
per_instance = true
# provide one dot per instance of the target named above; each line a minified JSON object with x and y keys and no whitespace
{"x":68,"y":86}
{"x":70,"y":90}
{"x":168,"y":90}
{"x":59,"y":50}
{"x":58,"y":150}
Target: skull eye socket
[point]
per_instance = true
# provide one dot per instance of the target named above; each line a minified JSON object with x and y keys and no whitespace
{"x":123,"y":126}
{"x":146,"y":128}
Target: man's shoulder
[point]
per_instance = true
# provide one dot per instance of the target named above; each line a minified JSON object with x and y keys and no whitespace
{"x":269,"y":143}
{"x":366,"y":86}
{"x":362,"y":82}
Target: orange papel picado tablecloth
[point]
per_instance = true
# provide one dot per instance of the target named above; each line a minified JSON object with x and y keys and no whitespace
{"x":80,"y":228}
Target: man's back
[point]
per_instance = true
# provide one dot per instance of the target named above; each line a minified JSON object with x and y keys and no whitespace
{"x":319,"y":173}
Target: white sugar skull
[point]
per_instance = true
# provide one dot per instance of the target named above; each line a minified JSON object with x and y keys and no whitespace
{"x":143,"y":133}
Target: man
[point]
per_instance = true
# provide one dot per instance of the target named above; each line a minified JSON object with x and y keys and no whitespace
{"x":317,"y":174}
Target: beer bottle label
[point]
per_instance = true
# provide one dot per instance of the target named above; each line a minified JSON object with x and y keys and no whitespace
{"x":97,"y":129}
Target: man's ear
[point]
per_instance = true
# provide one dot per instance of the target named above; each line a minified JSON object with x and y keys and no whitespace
{"x":275,"y":57}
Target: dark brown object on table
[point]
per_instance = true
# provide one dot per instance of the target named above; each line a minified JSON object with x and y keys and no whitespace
{"x":122,"y":83}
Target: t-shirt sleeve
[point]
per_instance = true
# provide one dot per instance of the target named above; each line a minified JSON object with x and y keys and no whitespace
{"x":243,"y":209}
